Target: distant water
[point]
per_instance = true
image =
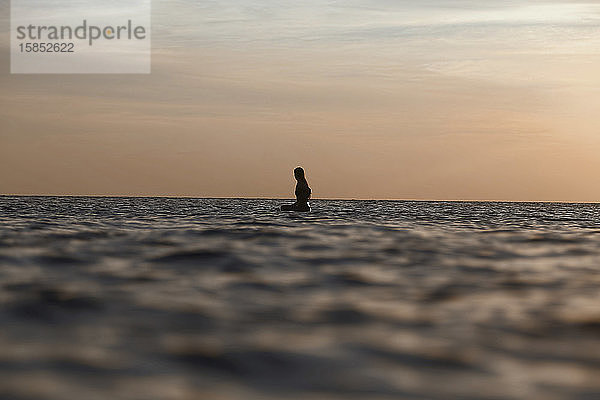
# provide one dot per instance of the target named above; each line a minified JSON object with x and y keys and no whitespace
{"x":173,"y":298}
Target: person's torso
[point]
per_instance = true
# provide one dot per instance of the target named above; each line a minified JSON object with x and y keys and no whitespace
{"x":302,"y":191}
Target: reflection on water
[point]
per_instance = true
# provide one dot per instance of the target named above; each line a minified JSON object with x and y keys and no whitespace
{"x":156,"y":298}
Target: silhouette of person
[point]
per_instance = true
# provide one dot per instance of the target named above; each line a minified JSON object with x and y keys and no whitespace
{"x":302,"y":192}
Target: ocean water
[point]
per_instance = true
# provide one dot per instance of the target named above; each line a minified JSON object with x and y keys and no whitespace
{"x":180,"y":298}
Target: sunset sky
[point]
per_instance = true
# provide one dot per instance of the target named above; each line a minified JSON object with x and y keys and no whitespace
{"x":377,"y":99}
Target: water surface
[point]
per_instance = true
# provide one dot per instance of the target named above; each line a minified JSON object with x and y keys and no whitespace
{"x":179,"y":298}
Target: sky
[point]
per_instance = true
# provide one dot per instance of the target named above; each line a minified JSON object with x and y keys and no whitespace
{"x":376,"y":99}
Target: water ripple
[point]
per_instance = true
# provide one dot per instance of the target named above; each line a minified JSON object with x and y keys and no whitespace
{"x":169,"y":298}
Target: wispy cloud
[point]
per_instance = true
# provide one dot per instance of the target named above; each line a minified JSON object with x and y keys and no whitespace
{"x":431,"y":91}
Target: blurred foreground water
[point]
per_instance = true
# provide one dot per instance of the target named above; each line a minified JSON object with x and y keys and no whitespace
{"x":179,"y":298}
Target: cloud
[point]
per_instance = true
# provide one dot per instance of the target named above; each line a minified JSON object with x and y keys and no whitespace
{"x":426,"y":94}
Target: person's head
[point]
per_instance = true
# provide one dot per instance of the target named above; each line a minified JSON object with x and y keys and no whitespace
{"x":299,"y":173}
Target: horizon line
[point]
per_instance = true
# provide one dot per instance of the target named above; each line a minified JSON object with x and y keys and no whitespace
{"x":291,"y":198}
